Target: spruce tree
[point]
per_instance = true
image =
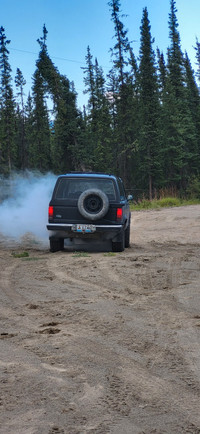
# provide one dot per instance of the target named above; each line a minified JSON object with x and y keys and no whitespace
{"x":192,"y":91}
{"x":122,"y":46}
{"x":20,"y":83}
{"x":103,"y":144}
{"x":197,"y":49}
{"x":89,"y":82}
{"x":98,"y":118}
{"x":65,"y":155}
{"x":175,"y":55}
{"x":91,"y":109}
{"x":39,"y":152}
{"x":162,"y":74}
{"x":65,"y":131}
{"x":8,"y":149}
{"x":123,"y":105}
{"x":179,"y":129}
{"x":149,"y":112}
{"x":29,"y":132}
{"x":193,"y":100}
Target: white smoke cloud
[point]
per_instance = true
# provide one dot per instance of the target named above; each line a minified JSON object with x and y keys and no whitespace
{"x":25,"y":209}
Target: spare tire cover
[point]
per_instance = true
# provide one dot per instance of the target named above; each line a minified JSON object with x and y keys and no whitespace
{"x":93,"y":204}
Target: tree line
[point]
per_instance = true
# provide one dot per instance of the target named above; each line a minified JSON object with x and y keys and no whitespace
{"x":142,"y":121}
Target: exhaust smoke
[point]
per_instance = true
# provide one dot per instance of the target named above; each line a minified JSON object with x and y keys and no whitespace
{"x":24,"y":203}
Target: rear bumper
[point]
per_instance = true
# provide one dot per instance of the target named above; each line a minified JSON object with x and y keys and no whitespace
{"x":63,"y":230}
{"x":68,"y":227}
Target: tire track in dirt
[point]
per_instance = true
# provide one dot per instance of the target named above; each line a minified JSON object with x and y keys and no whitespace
{"x":121,"y":394}
{"x":121,"y":276}
{"x":108,"y":344}
{"x":95,"y":275}
{"x":11,"y":300}
{"x":105,"y":274}
{"x":8,"y":287}
{"x":148,"y":301}
{"x":66,"y":270}
{"x":17,"y":299}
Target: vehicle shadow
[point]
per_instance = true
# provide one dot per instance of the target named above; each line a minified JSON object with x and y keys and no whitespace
{"x":88,"y":245}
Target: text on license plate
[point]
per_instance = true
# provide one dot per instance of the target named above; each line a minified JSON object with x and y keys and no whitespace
{"x":84,"y":229}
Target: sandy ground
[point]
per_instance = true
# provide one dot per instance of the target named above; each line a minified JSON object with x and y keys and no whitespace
{"x":103,"y":343}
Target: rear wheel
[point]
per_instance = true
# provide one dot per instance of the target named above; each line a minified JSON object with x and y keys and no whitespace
{"x":56,"y":244}
{"x":118,"y":246}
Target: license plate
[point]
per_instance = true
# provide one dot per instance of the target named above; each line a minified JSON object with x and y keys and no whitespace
{"x":84,"y":229}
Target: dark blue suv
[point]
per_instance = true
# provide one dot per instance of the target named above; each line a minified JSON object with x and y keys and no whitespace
{"x":89,"y":205}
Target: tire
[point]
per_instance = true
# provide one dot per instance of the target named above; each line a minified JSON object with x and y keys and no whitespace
{"x":127,"y":235}
{"x":93,"y":204}
{"x":118,"y":246}
{"x":56,"y":244}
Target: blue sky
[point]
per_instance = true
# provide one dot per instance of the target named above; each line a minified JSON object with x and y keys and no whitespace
{"x":74,"y":24}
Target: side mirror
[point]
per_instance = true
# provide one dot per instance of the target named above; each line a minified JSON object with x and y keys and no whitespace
{"x":130,"y":197}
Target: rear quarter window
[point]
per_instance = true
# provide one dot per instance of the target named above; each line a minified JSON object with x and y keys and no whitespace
{"x":121,"y":189}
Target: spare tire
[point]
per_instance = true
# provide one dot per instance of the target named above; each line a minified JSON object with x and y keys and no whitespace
{"x":93,"y":204}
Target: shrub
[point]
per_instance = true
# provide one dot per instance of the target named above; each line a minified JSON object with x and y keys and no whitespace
{"x":193,"y":189}
{"x":169,"y":201}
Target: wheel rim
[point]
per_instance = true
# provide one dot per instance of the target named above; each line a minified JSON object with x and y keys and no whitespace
{"x":93,"y":204}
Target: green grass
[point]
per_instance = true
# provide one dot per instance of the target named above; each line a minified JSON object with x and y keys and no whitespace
{"x":109,"y":254}
{"x":32,"y":259}
{"x":165,"y":202}
{"x":80,"y":255}
{"x":20,"y":255}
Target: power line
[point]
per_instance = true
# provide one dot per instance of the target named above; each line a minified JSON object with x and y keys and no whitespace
{"x":53,"y":57}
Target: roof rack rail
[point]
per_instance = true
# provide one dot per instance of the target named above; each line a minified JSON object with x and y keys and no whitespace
{"x":89,"y":172}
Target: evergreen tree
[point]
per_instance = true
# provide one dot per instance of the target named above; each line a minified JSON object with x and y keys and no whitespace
{"x":175,"y":55}
{"x":65,"y":150}
{"x":103,"y":144}
{"x":197,"y":49}
{"x":193,"y":99}
{"x":98,"y":119}
{"x":149,"y":111}
{"x":179,"y":128}
{"x":192,"y":91}
{"x":123,"y":106}
{"x":66,"y":121}
{"x":122,"y":46}
{"x":89,"y":81}
{"x":91,"y":112}
{"x":39,"y":152}
{"x":162,"y":73}
{"x":8,"y":149}
{"x":20,"y":83}
{"x":29,"y":132}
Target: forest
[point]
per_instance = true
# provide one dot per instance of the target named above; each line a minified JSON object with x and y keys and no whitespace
{"x":141,"y":122}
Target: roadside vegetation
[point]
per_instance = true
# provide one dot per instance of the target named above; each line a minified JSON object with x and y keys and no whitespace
{"x":169,"y":197}
{"x":166,"y":202}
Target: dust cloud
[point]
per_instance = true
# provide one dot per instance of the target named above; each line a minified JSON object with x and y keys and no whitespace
{"x":24,"y":200}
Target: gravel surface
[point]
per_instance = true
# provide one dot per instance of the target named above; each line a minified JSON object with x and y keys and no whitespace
{"x":103,"y":343}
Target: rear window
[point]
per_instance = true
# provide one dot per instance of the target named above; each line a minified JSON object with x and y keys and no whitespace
{"x":69,"y":188}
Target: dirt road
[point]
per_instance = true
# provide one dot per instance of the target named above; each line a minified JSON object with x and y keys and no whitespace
{"x":101,"y":343}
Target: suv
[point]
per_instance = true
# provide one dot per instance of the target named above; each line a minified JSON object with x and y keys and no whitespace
{"x":89,"y":205}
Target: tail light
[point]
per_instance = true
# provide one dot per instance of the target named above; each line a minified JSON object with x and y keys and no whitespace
{"x":50,"y":212}
{"x":119,"y":214}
